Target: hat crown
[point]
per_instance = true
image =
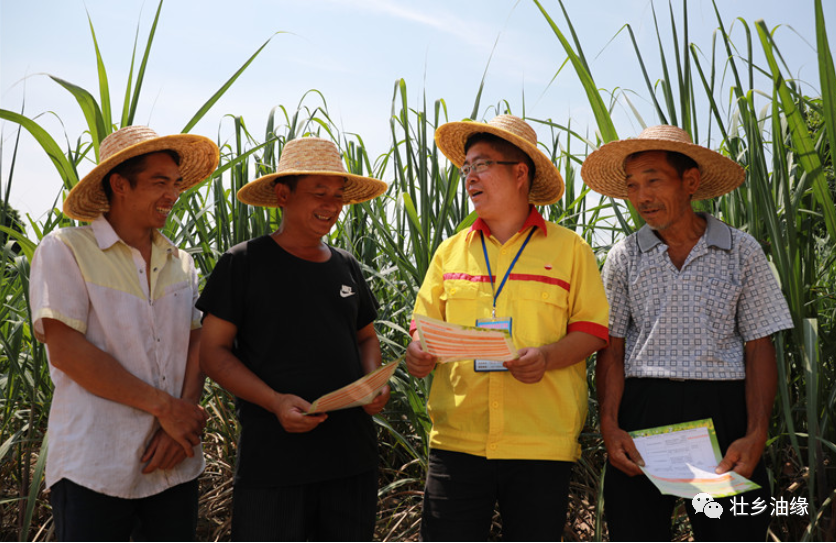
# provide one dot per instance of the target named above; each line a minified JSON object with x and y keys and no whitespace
{"x":516,"y":126}
{"x":124,"y":138}
{"x":310,"y":155}
{"x":666,"y":132}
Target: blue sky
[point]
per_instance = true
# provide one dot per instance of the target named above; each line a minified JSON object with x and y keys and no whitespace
{"x":352,"y":51}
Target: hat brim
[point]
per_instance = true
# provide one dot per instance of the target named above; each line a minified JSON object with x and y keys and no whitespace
{"x":199,"y":157}
{"x":260,"y":192}
{"x":603,"y":170}
{"x":546,"y":187}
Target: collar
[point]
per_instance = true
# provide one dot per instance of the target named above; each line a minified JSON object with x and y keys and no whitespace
{"x":106,"y":237}
{"x":534,"y":219}
{"x":717,"y":234}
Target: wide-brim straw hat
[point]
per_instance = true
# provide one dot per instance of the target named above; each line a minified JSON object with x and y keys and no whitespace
{"x":603,"y":169}
{"x":198,"y":159}
{"x":547,"y":185}
{"x":310,"y":156}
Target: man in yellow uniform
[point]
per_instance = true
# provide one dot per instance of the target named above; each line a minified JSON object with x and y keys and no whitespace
{"x":508,"y":433}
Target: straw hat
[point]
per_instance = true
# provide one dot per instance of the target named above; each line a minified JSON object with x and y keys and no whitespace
{"x":198,"y":158}
{"x":547,"y":185}
{"x":310,"y":156}
{"x":603,"y":169}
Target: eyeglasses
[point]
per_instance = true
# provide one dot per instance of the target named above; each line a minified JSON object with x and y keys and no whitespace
{"x":480,"y":166}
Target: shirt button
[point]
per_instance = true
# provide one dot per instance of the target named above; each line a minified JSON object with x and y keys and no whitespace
{"x":504,"y":251}
{"x":494,"y":404}
{"x":453,"y":290}
{"x":545,"y":295}
{"x":492,"y":446}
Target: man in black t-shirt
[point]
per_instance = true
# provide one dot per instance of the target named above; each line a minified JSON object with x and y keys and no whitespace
{"x":287,"y":319}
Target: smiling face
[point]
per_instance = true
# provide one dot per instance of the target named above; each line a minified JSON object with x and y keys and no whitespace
{"x":498,"y":188}
{"x":147,"y":201}
{"x":314,"y":206}
{"x":660,"y":195}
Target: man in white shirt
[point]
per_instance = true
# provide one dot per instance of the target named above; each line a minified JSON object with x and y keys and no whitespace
{"x":114,"y":303}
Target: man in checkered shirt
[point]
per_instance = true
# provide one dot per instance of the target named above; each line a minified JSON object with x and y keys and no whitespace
{"x":693,"y":304}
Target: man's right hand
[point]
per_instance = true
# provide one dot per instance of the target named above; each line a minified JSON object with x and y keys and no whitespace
{"x":184,"y":421}
{"x":290,"y":410}
{"x":162,"y":453}
{"x":418,"y":362}
{"x":622,"y":451}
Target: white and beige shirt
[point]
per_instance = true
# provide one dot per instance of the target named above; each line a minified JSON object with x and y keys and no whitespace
{"x":95,"y":283}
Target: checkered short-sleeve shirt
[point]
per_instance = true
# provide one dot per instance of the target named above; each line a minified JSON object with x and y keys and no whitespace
{"x":692,"y":323}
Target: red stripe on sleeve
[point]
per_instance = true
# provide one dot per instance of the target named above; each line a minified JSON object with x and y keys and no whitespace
{"x":591,"y":328}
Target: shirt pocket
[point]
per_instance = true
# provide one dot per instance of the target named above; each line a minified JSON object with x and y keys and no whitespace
{"x":175,"y":289}
{"x":465,"y":302}
{"x":647,"y":294}
{"x":541,"y":313}
{"x":176,"y":304}
{"x":720,"y":305}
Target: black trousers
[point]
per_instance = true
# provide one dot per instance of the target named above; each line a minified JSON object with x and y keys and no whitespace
{"x":462,"y":491}
{"x":81,"y":514}
{"x":635,"y":509}
{"x":335,"y":510}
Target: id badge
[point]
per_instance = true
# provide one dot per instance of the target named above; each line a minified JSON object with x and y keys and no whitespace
{"x":492,"y":365}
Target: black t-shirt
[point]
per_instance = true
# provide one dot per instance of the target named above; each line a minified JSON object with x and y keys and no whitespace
{"x":297,"y":330}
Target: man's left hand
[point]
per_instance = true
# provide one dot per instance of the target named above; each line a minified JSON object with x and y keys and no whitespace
{"x":529,"y":366}
{"x":379,"y":401}
{"x":162,"y":453}
{"x":742,"y":456}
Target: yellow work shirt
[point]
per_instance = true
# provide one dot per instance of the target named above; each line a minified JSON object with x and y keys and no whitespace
{"x":554,"y":288}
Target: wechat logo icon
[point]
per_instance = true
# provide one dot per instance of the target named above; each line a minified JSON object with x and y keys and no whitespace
{"x":704,"y":503}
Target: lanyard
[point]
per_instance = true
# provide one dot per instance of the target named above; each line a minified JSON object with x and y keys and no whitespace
{"x":507,"y":273}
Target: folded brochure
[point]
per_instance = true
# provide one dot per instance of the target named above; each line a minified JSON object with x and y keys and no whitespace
{"x":680,"y":460}
{"x":453,"y":342}
{"x":361,"y":392}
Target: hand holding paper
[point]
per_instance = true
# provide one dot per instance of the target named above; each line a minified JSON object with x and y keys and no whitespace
{"x":742,"y":456}
{"x":621,"y":450}
{"x":419,"y":363}
{"x":530,"y":367}
{"x":379,"y":401}
{"x":292,"y":413}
